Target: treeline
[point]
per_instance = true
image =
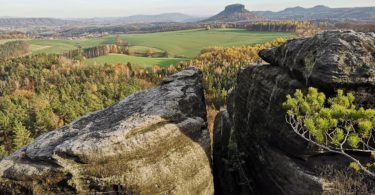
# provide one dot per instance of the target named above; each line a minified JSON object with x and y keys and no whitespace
{"x":273,"y":27}
{"x":12,"y":35}
{"x":14,"y":49}
{"x":357,"y":26}
{"x":300,"y":28}
{"x":97,"y":51}
{"x":43,"y":92}
{"x":93,"y":52}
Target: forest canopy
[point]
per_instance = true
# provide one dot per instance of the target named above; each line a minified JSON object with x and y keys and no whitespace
{"x":39,"y":93}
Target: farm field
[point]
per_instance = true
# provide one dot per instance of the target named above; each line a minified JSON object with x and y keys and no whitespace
{"x":143,"y":49}
{"x":185,"y":43}
{"x":134,"y":60}
{"x":61,"y":46}
{"x":189,"y":43}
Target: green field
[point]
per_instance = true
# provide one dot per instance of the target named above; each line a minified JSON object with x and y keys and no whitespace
{"x":134,"y":60}
{"x":61,"y":46}
{"x":187,"y":43}
{"x":143,"y":49}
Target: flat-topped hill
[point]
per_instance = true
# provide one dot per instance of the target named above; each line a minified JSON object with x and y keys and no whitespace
{"x":233,"y":13}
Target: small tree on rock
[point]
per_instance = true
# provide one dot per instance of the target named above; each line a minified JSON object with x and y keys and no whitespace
{"x":336,"y":125}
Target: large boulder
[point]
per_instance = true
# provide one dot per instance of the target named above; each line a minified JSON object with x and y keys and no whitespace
{"x":153,"y":142}
{"x":334,"y":58}
{"x":256,"y":151}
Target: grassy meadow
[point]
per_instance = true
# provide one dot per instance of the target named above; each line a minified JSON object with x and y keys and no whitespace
{"x":62,"y":46}
{"x":134,"y":60}
{"x":189,"y":43}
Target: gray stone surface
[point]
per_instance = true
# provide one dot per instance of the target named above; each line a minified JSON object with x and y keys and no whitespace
{"x":152,"y":142}
{"x":256,"y":151}
{"x":335,"y":58}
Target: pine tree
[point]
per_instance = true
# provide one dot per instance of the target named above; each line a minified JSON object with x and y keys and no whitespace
{"x":3,"y":152}
{"x":335,"y":125}
{"x":22,"y":135}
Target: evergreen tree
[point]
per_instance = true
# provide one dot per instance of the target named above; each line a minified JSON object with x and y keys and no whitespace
{"x":3,"y":152}
{"x":22,"y":135}
{"x":336,"y":125}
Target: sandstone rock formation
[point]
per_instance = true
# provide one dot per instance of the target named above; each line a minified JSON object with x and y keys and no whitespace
{"x":334,"y":58}
{"x":153,"y":142}
{"x":232,"y":13}
{"x":255,"y":151}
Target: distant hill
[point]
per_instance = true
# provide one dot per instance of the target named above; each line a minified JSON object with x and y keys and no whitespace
{"x":166,"y":17}
{"x":27,"y":22}
{"x":321,"y":12}
{"x":232,"y":13}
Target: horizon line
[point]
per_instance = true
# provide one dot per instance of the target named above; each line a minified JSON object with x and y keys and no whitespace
{"x":161,"y":13}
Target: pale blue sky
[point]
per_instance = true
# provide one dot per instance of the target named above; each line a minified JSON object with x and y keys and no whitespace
{"x":112,"y":8}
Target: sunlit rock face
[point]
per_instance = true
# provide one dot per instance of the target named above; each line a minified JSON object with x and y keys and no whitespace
{"x":152,"y":142}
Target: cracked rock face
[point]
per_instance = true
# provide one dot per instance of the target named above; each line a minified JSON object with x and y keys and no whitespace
{"x":152,"y":142}
{"x":335,"y":58}
{"x":256,"y":151}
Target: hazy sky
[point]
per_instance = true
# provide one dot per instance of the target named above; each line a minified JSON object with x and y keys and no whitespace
{"x":109,"y":8}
